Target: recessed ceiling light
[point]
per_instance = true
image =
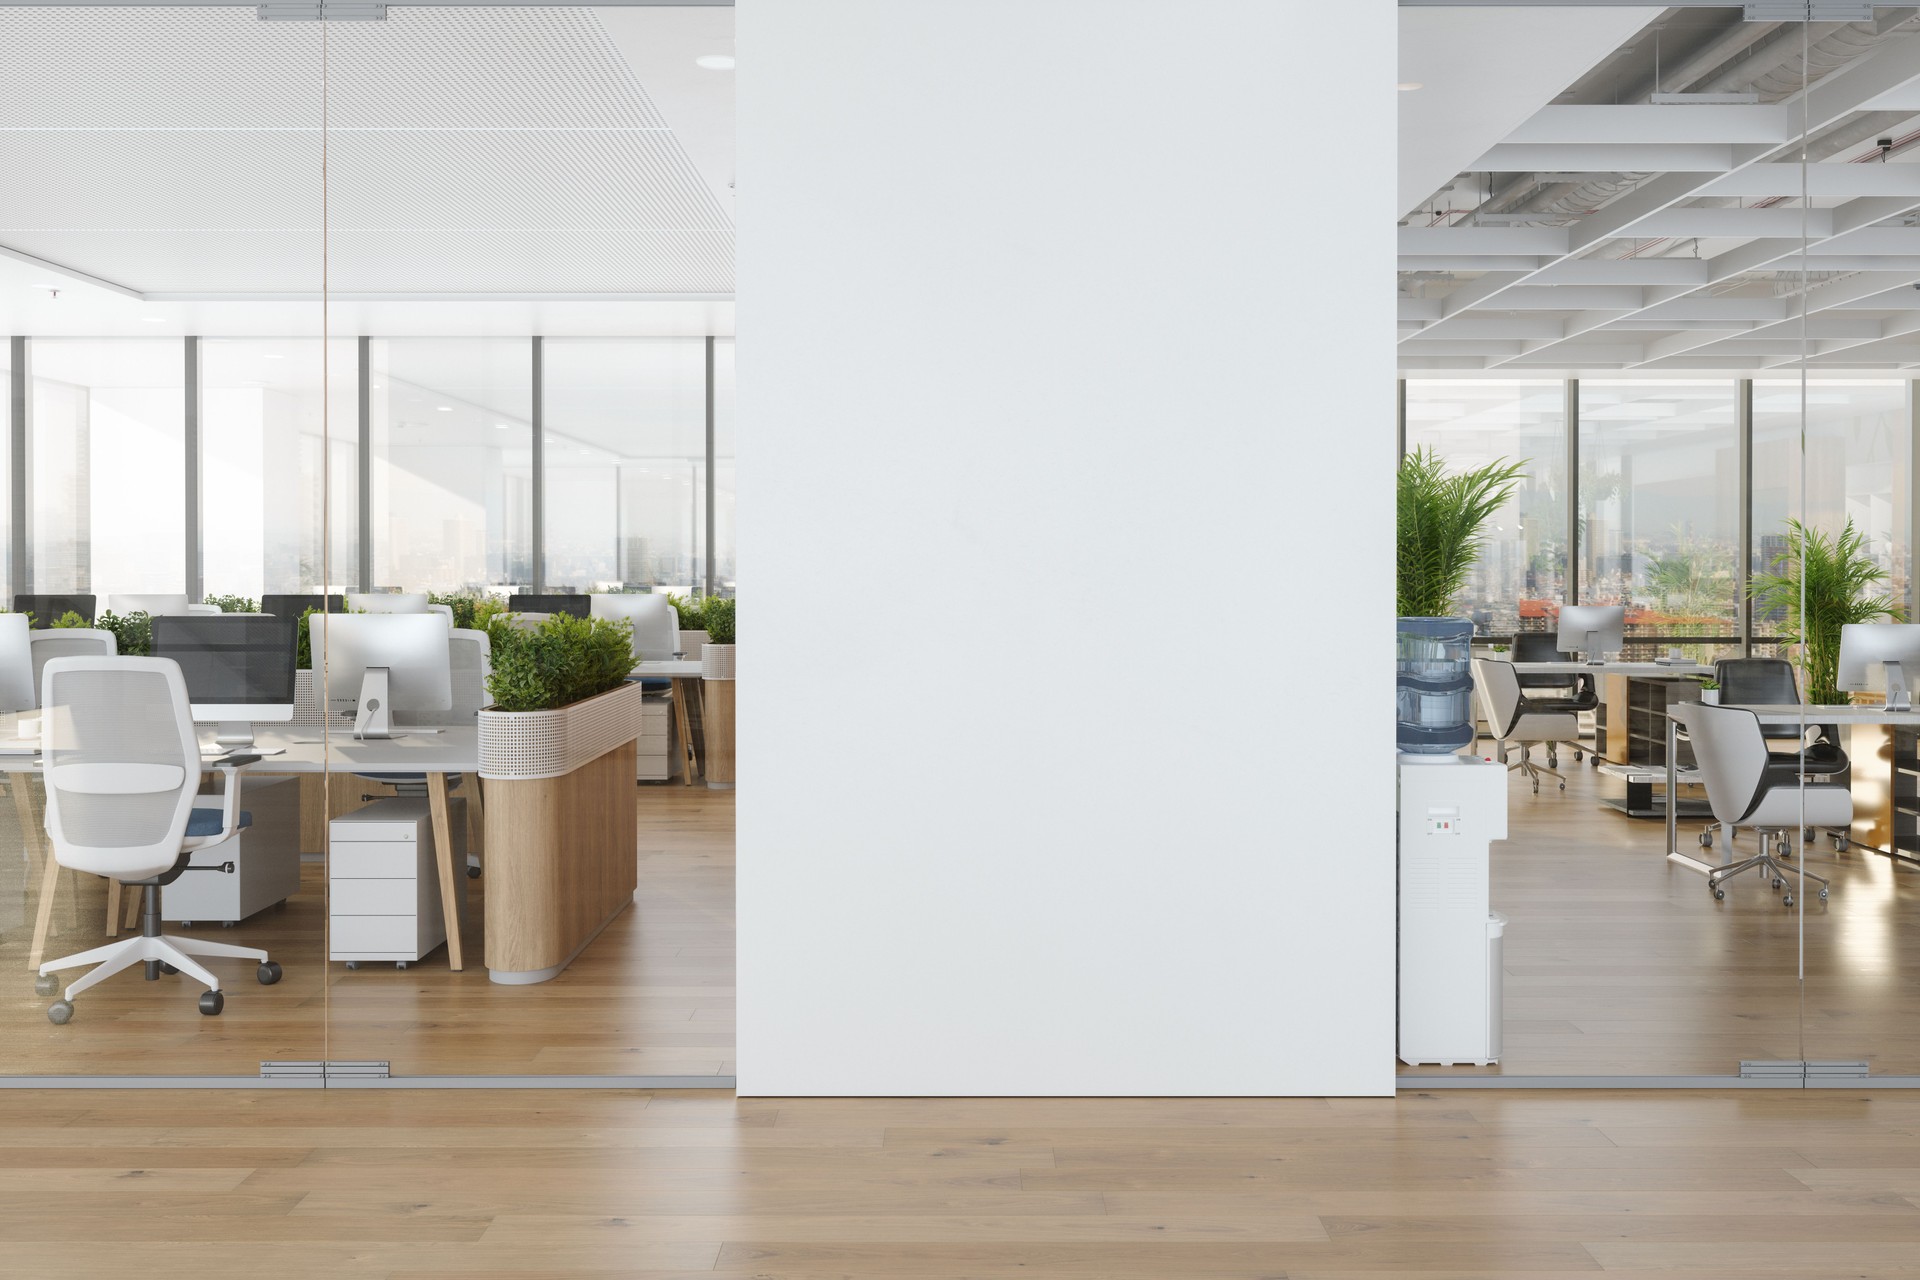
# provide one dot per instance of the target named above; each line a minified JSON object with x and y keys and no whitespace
{"x":715,"y":61}
{"x":154,"y":319}
{"x":271,"y":355}
{"x":1408,"y":86}
{"x":502,"y":426}
{"x":444,"y":408}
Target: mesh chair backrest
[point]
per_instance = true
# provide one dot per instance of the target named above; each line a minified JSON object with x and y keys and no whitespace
{"x":1730,"y":752}
{"x":468,"y":654}
{"x":1499,"y":693}
{"x":122,"y":763}
{"x":1542,"y":646}
{"x":69,"y":642}
{"x":1755,"y":682}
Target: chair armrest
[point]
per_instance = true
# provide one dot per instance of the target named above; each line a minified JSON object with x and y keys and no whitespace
{"x":230,"y":767}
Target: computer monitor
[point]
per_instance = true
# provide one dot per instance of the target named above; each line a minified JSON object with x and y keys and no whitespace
{"x":577,"y":605}
{"x":386,"y":602}
{"x":47,"y":610}
{"x":16,"y":664}
{"x":292,"y":606}
{"x":1880,"y":655}
{"x":377,"y":661}
{"x":238,"y":668}
{"x":1593,"y":629}
{"x":158,"y":605}
{"x":656,"y":627}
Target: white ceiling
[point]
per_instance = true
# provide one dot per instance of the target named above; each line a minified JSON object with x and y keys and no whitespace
{"x":488,"y":170}
{"x":1482,"y":72}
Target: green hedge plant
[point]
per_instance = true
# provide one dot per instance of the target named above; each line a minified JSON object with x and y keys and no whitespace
{"x":132,"y":634}
{"x":718,"y":619}
{"x":562,"y":661}
{"x":69,"y":619}
{"x":233,"y":604}
{"x":691,"y":610}
{"x":470,"y":612}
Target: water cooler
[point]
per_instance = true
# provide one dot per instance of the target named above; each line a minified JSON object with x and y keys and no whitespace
{"x":1451,"y":809}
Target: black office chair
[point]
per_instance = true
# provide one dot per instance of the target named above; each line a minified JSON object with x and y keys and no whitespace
{"x":1552,"y":693}
{"x":1762,"y":682}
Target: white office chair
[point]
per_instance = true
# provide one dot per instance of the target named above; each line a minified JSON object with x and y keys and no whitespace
{"x":527,"y":621}
{"x":204,"y":608}
{"x":68,"y":642}
{"x":1514,"y":721}
{"x":122,"y":770}
{"x":1749,"y":786}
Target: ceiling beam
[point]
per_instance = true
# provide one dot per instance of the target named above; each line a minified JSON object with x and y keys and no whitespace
{"x":1651,"y":157}
{"x":1524,"y":242}
{"x":1668,"y":271}
{"x":1741,"y":224}
{"x":1641,"y":123}
{"x":1822,"y":181}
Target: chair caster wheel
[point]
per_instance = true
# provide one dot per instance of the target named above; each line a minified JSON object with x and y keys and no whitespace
{"x":1563,"y":786}
{"x":45,"y":985}
{"x":60,"y":1012}
{"x":1807,"y":834}
{"x":1719,"y":894}
{"x":473,"y":873}
{"x":1841,"y":844}
{"x":1536,"y":788}
{"x":353,"y":964}
{"x":1706,"y":839}
{"x":212,"y":1002}
{"x":1823,"y":895}
{"x":167,"y":968}
{"x":1781,"y":850}
{"x":1787,"y":901}
{"x":268,"y":973}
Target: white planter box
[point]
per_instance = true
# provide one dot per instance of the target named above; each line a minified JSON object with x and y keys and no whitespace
{"x":523,"y":745}
{"x":716,"y":662}
{"x":691,"y":643}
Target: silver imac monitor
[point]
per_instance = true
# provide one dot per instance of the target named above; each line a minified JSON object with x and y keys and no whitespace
{"x":386,"y":601}
{"x":376,"y":662}
{"x":1880,"y":655}
{"x":656,"y":627}
{"x":154,"y":605}
{"x":238,"y":668}
{"x":1593,"y":630}
{"x":16,"y":665}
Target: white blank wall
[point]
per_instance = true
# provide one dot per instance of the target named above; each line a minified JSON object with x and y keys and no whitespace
{"x":1065,"y":333}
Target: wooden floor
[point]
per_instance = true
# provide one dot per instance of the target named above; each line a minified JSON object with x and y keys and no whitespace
{"x":1621,"y":963}
{"x":653,"y":995}
{"x":580,"y":1185}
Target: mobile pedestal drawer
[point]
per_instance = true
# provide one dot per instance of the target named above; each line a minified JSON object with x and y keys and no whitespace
{"x":383,"y":885}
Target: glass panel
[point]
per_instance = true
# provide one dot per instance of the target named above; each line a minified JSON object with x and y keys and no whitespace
{"x":723,"y":472}
{"x":263,"y":452}
{"x":1519,"y":582}
{"x":452,"y":464}
{"x":109,"y":466}
{"x":1660,"y":512}
{"x":626,"y":465}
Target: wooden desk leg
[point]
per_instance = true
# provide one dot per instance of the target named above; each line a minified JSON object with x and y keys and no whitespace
{"x":689,"y":764}
{"x":44,"y":916}
{"x":443,"y":858}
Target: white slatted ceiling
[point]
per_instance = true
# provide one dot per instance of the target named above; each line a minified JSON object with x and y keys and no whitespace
{"x":473,"y":150}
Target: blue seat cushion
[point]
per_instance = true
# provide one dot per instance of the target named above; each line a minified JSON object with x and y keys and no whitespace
{"x":206,"y":822}
{"x":650,"y":684}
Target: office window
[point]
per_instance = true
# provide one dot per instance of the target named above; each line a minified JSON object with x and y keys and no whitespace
{"x":1660,"y":505}
{"x":263,"y":451}
{"x":452,"y":429}
{"x":625,"y":425}
{"x":723,"y":476}
{"x":106,"y":452}
{"x":1520,"y":581}
{"x":1856,"y":466}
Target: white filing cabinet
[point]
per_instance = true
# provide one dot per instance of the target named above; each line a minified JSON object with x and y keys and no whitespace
{"x":654,"y":755}
{"x":265,"y":857}
{"x":383,"y":885}
{"x":1451,"y":809}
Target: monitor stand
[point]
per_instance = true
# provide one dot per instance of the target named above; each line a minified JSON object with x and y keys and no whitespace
{"x":373,"y":719}
{"x":1898,"y":699}
{"x":1593,"y":653}
{"x":234,"y":733}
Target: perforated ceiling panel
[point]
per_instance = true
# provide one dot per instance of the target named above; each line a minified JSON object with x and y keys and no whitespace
{"x":487,"y":151}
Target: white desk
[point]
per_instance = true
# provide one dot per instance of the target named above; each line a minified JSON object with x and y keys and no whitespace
{"x":451,"y":750}
{"x":1613,"y":669}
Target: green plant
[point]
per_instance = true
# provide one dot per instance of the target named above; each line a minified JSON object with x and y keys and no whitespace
{"x":132,"y":634}
{"x":470,"y":612}
{"x":562,"y":661}
{"x":303,"y":642}
{"x":692,"y":610}
{"x":233,"y":604}
{"x":1440,"y":519}
{"x":70,"y":619}
{"x":1836,"y":575}
{"x":718,"y":617}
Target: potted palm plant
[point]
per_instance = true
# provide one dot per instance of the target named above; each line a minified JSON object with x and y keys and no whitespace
{"x":1826,"y":581}
{"x":1441,"y":519}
